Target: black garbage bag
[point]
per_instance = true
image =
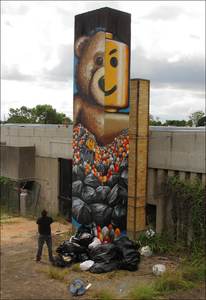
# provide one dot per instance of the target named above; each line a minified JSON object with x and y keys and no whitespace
{"x":77,"y":252}
{"x":81,"y":211}
{"x":124,"y":178}
{"x":82,"y":229}
{"x":102,"y":192}
{"x":105,"y":257}
{"x":88,"y":194}
{"x":104,"y":253}
{"x":83,"y":240}
{"x":119,"y":217}
{"x":92,"y":180}
{"x":101,"y":214}
{"x":62,"y":262}
{"x":113,"y":180}
{"x":129,"y":257}
{"x":82,"y":257}
{"x":103,"y":267}
{"x":78,"y":173}
{"x":112,"y":198}
{"x":70,"y":248}
{"x":123,"y":195}
{"x":77,"y":188}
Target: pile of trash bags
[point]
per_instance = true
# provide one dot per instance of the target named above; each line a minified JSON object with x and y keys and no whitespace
{"x":95,"y":255}
{"x":100,"y":179}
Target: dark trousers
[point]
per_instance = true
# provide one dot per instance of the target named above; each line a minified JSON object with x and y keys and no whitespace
{"x":41,"y":240}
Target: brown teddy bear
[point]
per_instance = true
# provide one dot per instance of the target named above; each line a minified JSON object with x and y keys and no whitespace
{"x":102,"y":81}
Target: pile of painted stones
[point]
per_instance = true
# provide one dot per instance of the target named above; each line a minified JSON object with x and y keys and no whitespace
{"x":100,"y":179}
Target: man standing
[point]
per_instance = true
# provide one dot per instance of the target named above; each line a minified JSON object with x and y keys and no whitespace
{"x":44,"y":229}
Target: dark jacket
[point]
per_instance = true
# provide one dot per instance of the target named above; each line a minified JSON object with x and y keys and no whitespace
{"x":44,"y":225}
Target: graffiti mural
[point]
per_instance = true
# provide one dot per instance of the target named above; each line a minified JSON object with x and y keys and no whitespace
{"x":100,"y":134}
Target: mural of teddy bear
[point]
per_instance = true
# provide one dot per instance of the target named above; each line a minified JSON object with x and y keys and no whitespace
{"x":101,"y":91}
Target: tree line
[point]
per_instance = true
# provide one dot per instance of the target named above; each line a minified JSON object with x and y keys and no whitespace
{"x":46,"y":114}
{"x":40,"y":114}
{"x":197,"y":118}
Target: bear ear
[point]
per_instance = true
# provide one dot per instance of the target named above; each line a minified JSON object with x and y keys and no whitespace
{"x":80,"y":44}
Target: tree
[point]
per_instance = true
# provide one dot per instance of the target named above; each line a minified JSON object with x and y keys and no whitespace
{"x":20,"y":115}
{"x":154,"y":121}
{"x":41,"y":114}
{"x":176,"y":123}
{"x":196,"y":116}
{"x":202,"y":121}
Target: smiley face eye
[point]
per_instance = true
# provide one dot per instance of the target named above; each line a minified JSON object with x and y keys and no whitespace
{"x":99,"y":60}
{"x":114,"y":62}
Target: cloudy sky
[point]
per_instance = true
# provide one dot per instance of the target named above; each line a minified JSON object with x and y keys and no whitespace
{"x":168,"y":48}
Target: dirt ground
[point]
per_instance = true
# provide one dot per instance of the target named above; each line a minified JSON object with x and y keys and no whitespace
{"x":24,"y":279}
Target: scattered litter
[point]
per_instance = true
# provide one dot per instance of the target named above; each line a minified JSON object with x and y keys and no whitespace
{"x":88,"y":286}
{"x":78,"y":287}
{"x":158,"y":269}
{"x":146,"y":251}
{"x":86,"y":265}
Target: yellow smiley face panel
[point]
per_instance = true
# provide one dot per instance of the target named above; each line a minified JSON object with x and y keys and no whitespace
{"x":116,"y":74}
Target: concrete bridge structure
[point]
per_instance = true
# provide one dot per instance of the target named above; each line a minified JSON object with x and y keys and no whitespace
{"x":32,"y":153}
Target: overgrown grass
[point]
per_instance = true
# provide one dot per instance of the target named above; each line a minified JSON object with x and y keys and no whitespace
{"x":103,"y":295}
{"x":76,"y":268}
{"x":168,"y":283}
{"x":6,"y":216}
{"x":55,"y":273}
{"x":143,"y":292}
{"x":159,"y":243}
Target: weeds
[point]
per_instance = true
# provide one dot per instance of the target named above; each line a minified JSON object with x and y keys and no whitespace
{"x":57,"y":274}
{"x":170,"y":282}
{"x":159,"y":243}
{"x":76,"y":268}
{"x":103,"y":295}
{"x":143,"y":292}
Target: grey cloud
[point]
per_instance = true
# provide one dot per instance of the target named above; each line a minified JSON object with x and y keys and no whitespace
{"x":64,"y":70}
{"x":188,"y":73}
{"x":164,"y":13}
{"x":13,"y":73}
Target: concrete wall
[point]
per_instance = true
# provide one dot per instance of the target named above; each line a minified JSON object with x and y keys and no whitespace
{"x":46,"y":171}
{"x":171,"y":151}
{"x":182,"y":150}
{"x":49,"y":140}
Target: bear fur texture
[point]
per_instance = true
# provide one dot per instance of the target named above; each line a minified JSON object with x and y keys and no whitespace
{"x":89,"y":109}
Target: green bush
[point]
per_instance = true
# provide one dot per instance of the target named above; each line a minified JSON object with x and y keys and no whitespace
{"x":159,"y":243}
{"x":188,"y":211}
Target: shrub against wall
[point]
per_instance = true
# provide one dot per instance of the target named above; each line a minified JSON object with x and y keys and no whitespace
{"x":188,"y":210}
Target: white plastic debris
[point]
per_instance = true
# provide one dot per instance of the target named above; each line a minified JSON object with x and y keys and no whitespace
{"x":158,"y":269}
{"x":150,"y":233}
{"x":86,"y":265}
{"x":94,"y":243}
{"x":146,"y":251}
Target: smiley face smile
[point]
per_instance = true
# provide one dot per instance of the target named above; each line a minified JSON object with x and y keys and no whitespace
{"x":101,"y":85}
